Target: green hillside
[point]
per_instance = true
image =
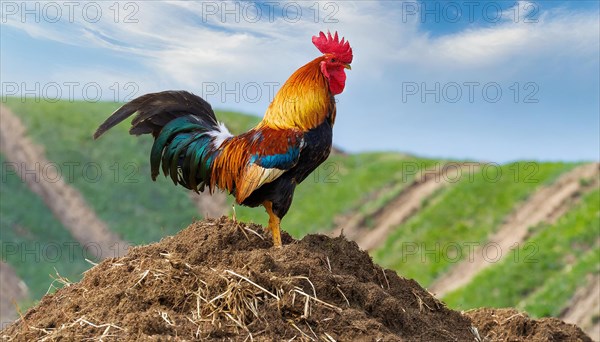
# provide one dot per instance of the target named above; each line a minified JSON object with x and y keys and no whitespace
{"x":112,"y":173}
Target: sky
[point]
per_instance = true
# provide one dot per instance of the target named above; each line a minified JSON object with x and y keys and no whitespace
{"x":483,"y":80}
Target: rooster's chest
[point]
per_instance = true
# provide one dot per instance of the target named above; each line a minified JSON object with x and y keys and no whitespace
{"x":317,"y":146}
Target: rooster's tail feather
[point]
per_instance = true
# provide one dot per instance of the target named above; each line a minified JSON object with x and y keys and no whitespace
{"x":187,"y":134}
{"x":186,"y":150}
{"x":156,"y":110}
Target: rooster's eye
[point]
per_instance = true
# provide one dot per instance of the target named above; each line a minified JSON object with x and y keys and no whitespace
{"x":333,"y":60}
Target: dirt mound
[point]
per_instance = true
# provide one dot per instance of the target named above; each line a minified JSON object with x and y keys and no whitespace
{"x":219,"y":279}
{"x":512,"y":325}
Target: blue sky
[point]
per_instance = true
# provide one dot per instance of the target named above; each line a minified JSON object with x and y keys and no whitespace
{"x":486,"y":80}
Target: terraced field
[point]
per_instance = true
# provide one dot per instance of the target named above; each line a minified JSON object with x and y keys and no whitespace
{"x":540,"y":274}
{"x":458,"y":217}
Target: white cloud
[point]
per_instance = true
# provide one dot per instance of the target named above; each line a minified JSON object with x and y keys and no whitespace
{"x":185,"y":43}
{"x":556,"y":33}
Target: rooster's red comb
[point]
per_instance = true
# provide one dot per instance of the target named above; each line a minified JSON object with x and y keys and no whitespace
{"x":331,"y":44}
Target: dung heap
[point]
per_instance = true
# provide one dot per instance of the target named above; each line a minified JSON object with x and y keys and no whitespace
{"x":220,"y":279}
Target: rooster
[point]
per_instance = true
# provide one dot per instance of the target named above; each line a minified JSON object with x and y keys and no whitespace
{"x":262,"y":166}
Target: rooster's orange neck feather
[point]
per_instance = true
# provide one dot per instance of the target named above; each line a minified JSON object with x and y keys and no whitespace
{"x":303,"y":102}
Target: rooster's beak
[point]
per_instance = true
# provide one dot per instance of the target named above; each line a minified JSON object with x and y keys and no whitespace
{"x":347,"y":66}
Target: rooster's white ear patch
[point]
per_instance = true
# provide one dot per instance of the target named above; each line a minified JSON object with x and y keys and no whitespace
{"x":220,"y":135}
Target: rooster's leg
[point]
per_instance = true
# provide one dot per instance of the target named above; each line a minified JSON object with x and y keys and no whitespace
{"x":274,"y":222}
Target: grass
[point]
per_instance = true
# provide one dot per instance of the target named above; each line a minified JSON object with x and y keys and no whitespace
{"x":33,"y":241}
{"x":550,"y":299}
{"x":543,"y":273}
{"x":465,"y":213}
